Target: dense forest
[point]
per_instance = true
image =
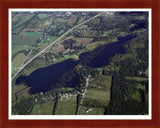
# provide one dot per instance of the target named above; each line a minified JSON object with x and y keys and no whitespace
{"x":123,"y":101}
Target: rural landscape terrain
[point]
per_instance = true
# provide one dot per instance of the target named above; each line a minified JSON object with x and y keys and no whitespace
{"x":80,"y":63}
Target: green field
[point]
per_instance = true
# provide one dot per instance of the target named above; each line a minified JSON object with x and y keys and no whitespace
{"x":101,"y":82}
{"x":19,"y":29}
{"x":43,"y":109}
{"x":18,"y":48}
{"x":22,"y":23}
{"x":50,"y":38}
{"x":41,"y":16}
{"x":34,"y":33}
{"x":24,"y":40}
{"x":67,"y":106}
{"x":23,"y":19}
{"x":18,"y":60}
{"x":97,"y":94}
{"x":95,"y":111}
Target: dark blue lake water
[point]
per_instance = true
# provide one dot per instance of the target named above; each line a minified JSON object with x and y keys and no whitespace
{"x":63,"y":74}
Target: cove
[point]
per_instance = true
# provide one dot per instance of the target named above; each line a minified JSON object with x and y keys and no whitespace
{"x":43,"y":79}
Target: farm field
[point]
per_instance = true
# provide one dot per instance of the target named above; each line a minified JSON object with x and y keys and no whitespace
{"x":43,"y":109}
{"x":25,"y":39}
{"x":22,"y":19}
{"x":33,"y":33}
{"x":18,"y":60}
{"x":19,"y":48}
{"x":21,"y":22}
{"x":98,"y":91}
{"x":67,"y":106}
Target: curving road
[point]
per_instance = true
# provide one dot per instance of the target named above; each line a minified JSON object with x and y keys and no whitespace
{"x":53,"y":43}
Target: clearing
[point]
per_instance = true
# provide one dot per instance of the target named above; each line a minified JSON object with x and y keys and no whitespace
{"x":43,"y":109}
{"x":18,"y":60}
{"x":67,"y":106}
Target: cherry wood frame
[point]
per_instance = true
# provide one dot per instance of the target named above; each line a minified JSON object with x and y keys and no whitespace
{"x":6,"y":4}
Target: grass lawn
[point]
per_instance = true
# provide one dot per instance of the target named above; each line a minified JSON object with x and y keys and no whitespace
{"x":43,"y":109}
{"x":18,"y":60}
{"x":67,"y":106}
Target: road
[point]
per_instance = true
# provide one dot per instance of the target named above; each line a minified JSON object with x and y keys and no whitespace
{"x":83,"y":94}
{"x":53,"y":43}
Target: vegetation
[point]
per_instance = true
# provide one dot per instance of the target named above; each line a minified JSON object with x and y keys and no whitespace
{"x":24,"y":107}
{"x":21,"y":22}
{"x":16,"y":49}
{"x":18,"y":60}
{"x":95,"y":111}
{"x":119,"y":88}
{"x":43,"y":109}
{"x":67,"y":106}
{"x":126,"y":99}
{"x":24,"y":40}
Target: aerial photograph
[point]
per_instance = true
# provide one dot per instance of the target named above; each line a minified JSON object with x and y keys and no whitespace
{"x":79,"y":62}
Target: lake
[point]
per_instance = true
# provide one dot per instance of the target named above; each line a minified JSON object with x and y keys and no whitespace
{"x":63,"y":74}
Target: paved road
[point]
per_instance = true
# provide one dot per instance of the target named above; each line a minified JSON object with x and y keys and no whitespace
{"x":53,"y":43}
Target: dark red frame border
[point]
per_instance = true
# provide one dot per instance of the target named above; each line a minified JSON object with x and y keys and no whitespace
{"x":6,"y":4}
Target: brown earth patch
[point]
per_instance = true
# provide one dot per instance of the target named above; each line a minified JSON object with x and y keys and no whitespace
{"x":31,"y":29}
{"x":80,"y":41}
{"x":59,"y":48}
